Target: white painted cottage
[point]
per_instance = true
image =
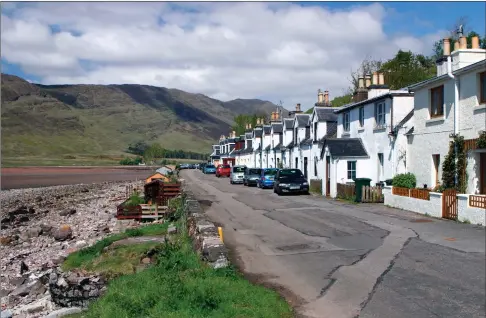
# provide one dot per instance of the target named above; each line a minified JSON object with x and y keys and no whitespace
{"x":453,"y":102}
{"x":371,"y":135}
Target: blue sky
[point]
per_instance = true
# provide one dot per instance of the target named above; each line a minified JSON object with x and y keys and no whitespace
{"x":195,"y":48}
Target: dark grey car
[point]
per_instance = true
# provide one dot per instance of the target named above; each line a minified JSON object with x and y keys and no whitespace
{"x":251,"y":176}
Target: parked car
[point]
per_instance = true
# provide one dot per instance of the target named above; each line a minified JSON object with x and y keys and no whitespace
{"x":290,"y":180}
{"x":223,"y":171}
{"x":251,"y":176}
{"x":209,"y":168}
{"x":267,"y":178}
{"x":237,"y":174}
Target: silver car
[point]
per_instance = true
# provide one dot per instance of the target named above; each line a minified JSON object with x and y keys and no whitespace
{"x":237,"y":174}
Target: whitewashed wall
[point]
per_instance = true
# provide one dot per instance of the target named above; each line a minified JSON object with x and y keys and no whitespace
{"x":433,"y":207}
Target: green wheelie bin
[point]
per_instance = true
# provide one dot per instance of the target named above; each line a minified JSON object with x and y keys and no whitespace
{"x":359,"y":183}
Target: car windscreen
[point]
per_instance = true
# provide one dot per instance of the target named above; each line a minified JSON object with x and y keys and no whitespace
{"x":209,"y":166}
{"x":269,"y":172}
{"x":238,"y":169}
{"x":254,"y":171}
{"x":290,"y":174}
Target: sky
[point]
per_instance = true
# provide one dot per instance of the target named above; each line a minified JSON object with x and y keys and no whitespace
{"x":276,"y":51}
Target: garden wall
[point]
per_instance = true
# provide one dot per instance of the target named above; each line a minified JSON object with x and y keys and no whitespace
{"x":433,"y":206}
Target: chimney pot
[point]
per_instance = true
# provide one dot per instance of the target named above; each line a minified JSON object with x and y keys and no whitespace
{"x":375,"y":78}
{"x":446,"y":46}
{"x":297,"y":107}
{"x":326,"y":97}
{"x":381,"y":78}
{"x":463,"y":43}
{"x":361,"y":82}
{"x":367,"y":80}
{"x":475,"y":42}
{"x":456,"y":46}
{"x":320,"y":96}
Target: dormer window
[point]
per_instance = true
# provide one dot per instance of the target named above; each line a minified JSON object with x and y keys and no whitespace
{"x":346,"y":121}
{"x":437,"y":102}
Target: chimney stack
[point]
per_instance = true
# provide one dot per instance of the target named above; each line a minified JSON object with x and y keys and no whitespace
{"x":277,"y":116}
{"x":381,"y":79}
{"x":475,"y":42}
{"x":456,"y":45}
{"x":361,"y":82}
{"x":320,"y":96}
{"x":367,"y":80}
{"x":326,"y":97}
{"x":297,"y":107}
{"x":234,"y":134}
{"x":463,"y":43}
{"x":446,"y":47}
{"x":375,"y":78}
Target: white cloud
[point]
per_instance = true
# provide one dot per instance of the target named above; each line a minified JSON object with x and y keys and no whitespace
{"x":276,"y":51}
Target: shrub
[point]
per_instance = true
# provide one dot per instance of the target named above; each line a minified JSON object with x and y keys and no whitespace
{"x":405,"y":180}
{"x":481,"y":143}
{"x":134,"y":199}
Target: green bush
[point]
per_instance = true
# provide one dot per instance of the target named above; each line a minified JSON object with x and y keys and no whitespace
{"x":131,"y":161}
{"x":405,"y":180}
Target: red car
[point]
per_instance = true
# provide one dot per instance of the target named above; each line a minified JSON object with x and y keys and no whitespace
{"x":223,"y":171}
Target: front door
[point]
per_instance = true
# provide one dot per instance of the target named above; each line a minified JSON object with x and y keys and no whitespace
{"x":328,"y":176}
{"x":482,"y":173}
{"x":305,"y":167}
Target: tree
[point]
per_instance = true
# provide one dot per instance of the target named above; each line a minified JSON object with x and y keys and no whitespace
{"x":407,"y":68}
{"x":368,"y":66}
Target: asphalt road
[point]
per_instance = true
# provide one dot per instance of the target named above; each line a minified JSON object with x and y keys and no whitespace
{"x":341,"y":260}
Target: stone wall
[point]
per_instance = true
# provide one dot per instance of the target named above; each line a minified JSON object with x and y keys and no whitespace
{"x":75,"y":289}
{"x":204,"y":233}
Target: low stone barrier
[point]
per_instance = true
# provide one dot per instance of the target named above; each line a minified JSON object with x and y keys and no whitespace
{"x":204,"y":233}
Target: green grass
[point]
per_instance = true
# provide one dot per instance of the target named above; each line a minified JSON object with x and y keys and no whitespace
{"x":180,"y":285}
{"x":120,"y":260}
{"x":86,"y":255}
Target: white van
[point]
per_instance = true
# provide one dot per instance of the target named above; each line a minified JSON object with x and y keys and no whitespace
{"x":237,"y":174}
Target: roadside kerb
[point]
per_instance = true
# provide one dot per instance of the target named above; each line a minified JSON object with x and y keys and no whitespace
{"x":205,"y":235}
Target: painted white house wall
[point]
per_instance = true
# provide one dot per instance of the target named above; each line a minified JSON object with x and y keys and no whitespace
{"x":377,"y":140}
{"x":431,"y":136}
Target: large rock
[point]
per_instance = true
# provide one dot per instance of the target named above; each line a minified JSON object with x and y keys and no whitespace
{"x":64,"y":232}
{"x":67,"y":212}
{"x":64,"y":312}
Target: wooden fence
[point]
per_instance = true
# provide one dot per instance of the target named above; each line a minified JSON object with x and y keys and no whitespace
{"x":477,"y":201}
{"x":422,"y":194}
{"x":372,"y":195}
{"x":346,"y":191}
{"x":404,"y":192}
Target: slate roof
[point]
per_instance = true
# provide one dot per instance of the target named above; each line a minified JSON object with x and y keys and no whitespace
{"x":289,"y":123}
{"x":278,"y":147}
{"x":277,"y":127}
{"x":325,"y":114}
{"x":258,"y":132}
{"x":267,"y":129}
{"x":331,"y":129}
{"x":345,"y":147}
{"x":302,"y":119}
{"x":410,"y":132}
{"x":390,"y":94}
{"x":267,"y":148}
{"x":248,"y":135}
{"x":306,"y":142}
{"x":290,"y":145}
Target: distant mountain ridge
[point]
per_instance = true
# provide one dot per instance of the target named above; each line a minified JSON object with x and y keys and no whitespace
{"x":54,"y":120}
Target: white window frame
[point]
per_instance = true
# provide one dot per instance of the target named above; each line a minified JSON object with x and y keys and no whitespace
{"x":361,"y":116}
{"x":380,"y":114}
{"x":346,"y":121}
{"x":350,"y":170}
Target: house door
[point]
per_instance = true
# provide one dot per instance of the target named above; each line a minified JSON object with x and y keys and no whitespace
{"x":328,"y":176}
{"x":482,"y":173}
{"x":305,"y":167}
{"x":296,"y":163}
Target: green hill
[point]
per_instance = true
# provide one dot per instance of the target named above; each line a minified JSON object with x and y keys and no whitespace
{"x":66,"y":121}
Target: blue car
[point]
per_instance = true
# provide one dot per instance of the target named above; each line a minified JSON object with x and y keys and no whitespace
{"x":267,"y":178}
{"x":209,"y":169}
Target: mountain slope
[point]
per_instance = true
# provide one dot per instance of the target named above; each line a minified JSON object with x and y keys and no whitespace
{"x":56,"y":120}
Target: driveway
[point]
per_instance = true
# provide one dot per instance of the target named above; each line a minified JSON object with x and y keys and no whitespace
{"x":338,"y":260}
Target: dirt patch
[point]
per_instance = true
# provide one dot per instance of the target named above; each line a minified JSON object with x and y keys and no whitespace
{"x":205,"y":203}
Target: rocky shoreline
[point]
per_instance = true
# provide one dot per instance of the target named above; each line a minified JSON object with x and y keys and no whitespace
{"x":40,"y":227}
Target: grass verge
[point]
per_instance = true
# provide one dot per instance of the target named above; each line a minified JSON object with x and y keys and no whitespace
{"x":179,"y":285}
{"x":85,"y":256}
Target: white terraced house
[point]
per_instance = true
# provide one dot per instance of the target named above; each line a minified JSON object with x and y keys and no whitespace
{"x":452,"y":103}
{"x":371,"y":135}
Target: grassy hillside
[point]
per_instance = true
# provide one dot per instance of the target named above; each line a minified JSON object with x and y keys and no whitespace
{"x":58,"y":121}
